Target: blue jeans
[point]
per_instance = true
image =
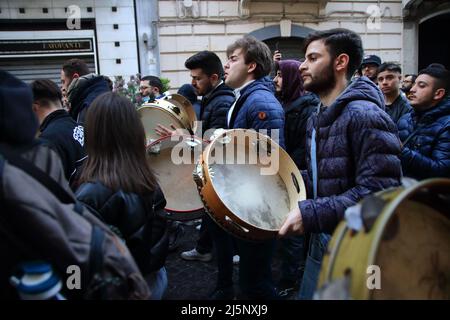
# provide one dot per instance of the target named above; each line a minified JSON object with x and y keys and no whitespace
{"x":317,"y":247}
{"x":157,"y":283}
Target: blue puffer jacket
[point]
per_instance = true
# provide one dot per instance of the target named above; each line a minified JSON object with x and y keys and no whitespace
{"x":427,"y":153}
{"x":214,"y":108}
{"x":257,"y":108}
{"x":357,"y":154}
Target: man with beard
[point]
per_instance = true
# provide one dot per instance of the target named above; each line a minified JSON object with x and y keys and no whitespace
{"x":298,"y":106}
{"x":206,"y":71}
{"x":352,"y":144}
{"x":408,"y":82}
{"x":369,"y":67}
{"x":81,"y":87}
{"x":425,"y":133}
{"x":389,"y":76}
{"x":150,"y":88}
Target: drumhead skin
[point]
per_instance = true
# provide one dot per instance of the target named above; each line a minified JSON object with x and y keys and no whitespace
{"x":173,"y":159}
{"x":173,"y":110}
{"x":409,"y":242}
{"x":152,"y":115}
{"x":248,"y":184}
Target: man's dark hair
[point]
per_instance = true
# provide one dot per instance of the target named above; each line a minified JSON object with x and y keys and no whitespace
{"x":389,"y":66}
{"x":340,"y":41}
{"x":46,"y":91}
{"x":441,"y":75}
{"x":73,"y":66}
{"x":154,"y":82}
{"x":413,"y":77}
{"x":436,"y":65}
{"x":254,"y":51}
{"x":208,"y":61}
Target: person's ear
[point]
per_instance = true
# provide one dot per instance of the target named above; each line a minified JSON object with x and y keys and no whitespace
{"x":214,"y":77}
{"x":341,"y":62}
{"x":251,"y":67}
{"x":35,"y":106}
{"x":439,"y":94}
{"x":75,"y":75}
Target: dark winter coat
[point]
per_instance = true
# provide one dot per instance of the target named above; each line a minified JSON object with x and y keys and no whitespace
{"x":138,"y":219}
{"x":82,"y":91}
{"x":215,"y":107}
{"x":66,"y":137}
{"x":257,"y":108}
{"x":297,"y":114}
{"x":357,"y":154}
{"x":427,"y":153}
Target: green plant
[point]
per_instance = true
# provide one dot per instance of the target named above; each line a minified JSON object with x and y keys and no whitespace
{"x":166,"y":84}
{"x":131,"y":90}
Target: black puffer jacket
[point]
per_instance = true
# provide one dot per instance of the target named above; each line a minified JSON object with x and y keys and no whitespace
{"x":82,"y":91}
{"x":296,"y":118}
{"x":139,"y":219}
{"x":214,"y":108}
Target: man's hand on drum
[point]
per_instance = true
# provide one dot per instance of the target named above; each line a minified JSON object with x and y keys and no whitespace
{"x":164,"y":131}
{"x":293,"y":224}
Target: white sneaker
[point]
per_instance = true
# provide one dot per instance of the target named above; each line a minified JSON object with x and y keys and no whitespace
{"x":236,"y":259}
{"x":193,"y":255}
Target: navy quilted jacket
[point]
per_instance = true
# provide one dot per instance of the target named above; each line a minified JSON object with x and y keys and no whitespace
{"x":427,"y":153}
{"x":214,"y":108}
{"x":257,"y":108}
{"x":357,"y":154}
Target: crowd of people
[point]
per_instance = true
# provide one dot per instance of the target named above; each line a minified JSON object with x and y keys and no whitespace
{"x":353,"y":125}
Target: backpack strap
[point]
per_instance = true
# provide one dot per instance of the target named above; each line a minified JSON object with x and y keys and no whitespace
{"x":37,"y":174}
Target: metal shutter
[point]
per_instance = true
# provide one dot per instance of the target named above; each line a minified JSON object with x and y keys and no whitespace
{"x":34,"y":68}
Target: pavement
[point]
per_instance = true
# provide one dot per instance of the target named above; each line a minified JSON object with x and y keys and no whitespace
{"x":195,"y":280}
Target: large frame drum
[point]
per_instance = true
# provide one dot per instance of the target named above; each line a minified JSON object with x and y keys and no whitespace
{"x":173,"y":159}
{"x":173,"y":110}
{"x":406,"y":235}
{"x":248,"y":184}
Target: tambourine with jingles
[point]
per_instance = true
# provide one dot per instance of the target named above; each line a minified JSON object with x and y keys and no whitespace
{"x":173,"y":159}
{"x":402,"y":250}
{"x":248,"y":184}
{"x":173,"y":110}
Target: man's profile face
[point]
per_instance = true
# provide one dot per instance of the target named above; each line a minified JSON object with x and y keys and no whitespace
{"x":65,"y":81}
{"x":201,"y":82}
{"x":422,"y":92}
{"x":236,"y":71}
{"x":317,"y":70}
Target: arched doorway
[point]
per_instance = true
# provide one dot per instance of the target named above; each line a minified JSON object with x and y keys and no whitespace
{"x":434,"y":46}
{"x":290,"y":46}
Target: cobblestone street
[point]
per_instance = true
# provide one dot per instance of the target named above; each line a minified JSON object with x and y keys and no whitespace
{"x":195,"y":280}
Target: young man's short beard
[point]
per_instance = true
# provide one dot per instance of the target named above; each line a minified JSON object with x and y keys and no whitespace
{"x":322,"y":83}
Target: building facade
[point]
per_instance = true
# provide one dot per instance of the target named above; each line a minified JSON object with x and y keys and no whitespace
{"x":124,"y":37}
{"x":36,"y":37}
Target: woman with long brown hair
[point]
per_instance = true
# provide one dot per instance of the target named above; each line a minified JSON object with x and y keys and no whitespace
{"x":117,"y":182}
